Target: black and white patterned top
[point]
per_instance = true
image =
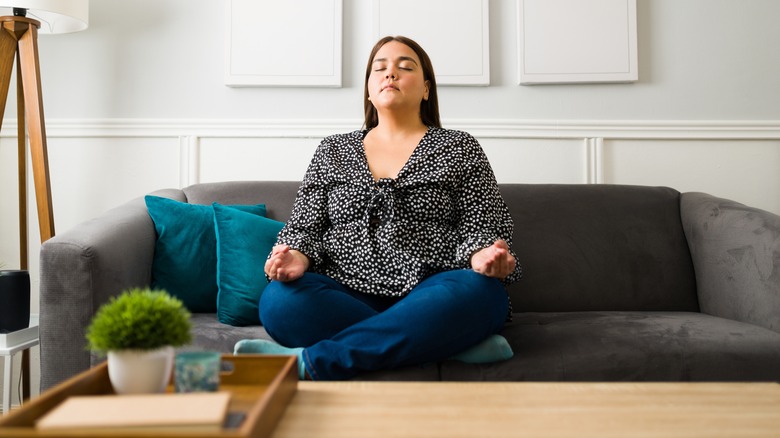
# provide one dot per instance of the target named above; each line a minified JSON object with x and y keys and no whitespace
{"x":383,"y":237}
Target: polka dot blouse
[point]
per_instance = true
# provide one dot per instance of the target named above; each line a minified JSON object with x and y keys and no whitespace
{"x":383,"y":237}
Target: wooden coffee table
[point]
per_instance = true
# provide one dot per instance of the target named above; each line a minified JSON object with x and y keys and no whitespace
{"x":400,"y":409}
{"x":276,"y":404}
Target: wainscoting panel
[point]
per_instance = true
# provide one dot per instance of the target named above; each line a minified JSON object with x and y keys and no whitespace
{"x":89,"y":175}
{"x":97,"y":163}
{"x":747,"y":171}
{"x":539,"y":161}
{"x":92,"y":175}
{"x":281,"y":159}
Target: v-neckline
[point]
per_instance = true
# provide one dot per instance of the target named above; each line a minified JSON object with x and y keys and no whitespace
{"x":398,"y":175}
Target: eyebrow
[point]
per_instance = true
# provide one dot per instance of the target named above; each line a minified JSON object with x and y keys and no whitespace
{"x":400,"y":58}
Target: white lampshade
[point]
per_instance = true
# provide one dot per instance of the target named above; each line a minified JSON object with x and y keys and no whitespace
{"x":56,"y":16}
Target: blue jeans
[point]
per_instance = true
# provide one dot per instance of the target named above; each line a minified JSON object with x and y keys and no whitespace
{"x":345,"y":332}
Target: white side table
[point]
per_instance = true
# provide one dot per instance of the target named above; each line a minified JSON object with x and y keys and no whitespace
{"x":10,"y":344}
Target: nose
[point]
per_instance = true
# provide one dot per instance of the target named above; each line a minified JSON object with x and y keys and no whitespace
{"x":391,"y":74}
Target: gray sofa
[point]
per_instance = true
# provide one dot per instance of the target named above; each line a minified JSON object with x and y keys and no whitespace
{"x":622,"y":283}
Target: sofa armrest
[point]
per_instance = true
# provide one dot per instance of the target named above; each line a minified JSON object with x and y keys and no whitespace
{"x":80,"y":270}
{"x":736,"y":256}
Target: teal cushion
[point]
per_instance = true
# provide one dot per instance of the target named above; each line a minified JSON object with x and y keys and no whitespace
{"x":185,"y":255}
{"x":243,"y":243}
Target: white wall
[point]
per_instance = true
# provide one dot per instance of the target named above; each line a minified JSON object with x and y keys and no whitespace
{"x":137,"y":102}
{"x":699,"y":60}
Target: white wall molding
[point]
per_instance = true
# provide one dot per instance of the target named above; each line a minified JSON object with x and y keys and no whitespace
{"x":256,"y":136}
{"x":481,"y":128}
{"x":594,"y":160}
{"x":622,"y":129}
{"x":189,"y":160}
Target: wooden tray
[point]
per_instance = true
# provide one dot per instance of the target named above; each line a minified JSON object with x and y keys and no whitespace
{"x":261,"y":388}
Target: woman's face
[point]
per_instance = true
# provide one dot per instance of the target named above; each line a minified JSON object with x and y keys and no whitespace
{"x":396,"y":80}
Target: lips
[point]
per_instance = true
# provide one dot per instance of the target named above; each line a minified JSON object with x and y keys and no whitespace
{"x":389,"y":87}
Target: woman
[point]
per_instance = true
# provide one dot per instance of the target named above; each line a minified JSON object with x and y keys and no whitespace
{"x":399,"y":243}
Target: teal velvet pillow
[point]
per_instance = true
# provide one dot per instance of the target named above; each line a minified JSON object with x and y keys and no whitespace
{"x":243,"y":243}
{"x":185,"y":254}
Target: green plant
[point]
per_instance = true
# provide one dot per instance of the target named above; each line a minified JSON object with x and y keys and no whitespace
{"x":139,"y":319}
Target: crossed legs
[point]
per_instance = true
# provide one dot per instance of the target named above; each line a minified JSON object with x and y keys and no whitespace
{"x":343,"y":332}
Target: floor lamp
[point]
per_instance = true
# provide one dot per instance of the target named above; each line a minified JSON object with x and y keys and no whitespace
{"x":19,"y":45}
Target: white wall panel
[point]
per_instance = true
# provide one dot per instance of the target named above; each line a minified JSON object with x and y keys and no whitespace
{"x":454,"y":33}
{"x":269,"y":159}
{"x":745,"y":171}
{"x":536,"y":161}
{"x":89,"y":175}
{"x":92,"y":175}
{"x":283,"y":43}
{"x":570,"y":41}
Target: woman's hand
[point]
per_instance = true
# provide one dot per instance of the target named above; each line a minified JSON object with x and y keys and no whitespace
{"x":286,"y":264}
{"x":494,"y":261}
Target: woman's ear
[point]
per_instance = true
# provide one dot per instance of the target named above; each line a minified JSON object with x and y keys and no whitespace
{"x":427,"y":90}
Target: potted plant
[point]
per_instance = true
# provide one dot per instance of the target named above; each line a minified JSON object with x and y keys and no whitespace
{"x":138,"y":330}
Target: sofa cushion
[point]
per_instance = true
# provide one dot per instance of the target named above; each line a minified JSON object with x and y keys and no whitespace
{"x":185,"y":253}
{"x":600,"y":247}
{"x":244,"y":241}
{"x":630,"y":346}
{"x":210,"y":334}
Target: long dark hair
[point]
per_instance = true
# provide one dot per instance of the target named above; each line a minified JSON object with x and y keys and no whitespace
{"x":429,"y":109}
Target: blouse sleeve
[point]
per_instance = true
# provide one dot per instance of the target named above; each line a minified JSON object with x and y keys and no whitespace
{"x":482,"y":214}
{"x":309,"y":217}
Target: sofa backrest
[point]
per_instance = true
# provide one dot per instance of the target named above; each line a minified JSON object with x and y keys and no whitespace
{"x":582,"y":247}
{"x":278,"y":196}
{"x":600,"y":247}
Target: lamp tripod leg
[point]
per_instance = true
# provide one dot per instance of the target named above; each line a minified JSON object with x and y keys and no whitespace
{"x":36,"y":130}
{"x":19,"y":42}
{"x":22,"y":166}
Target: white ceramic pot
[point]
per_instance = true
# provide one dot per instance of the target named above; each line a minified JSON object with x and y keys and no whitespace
{"x":140,"y":371}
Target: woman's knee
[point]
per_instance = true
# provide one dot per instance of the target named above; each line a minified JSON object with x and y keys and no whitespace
{"x":469,"y":291}
{"x":276,"y":302}
{"x":474,"y":285}
{"x":486,"y":295}
{"x":283,"y":309}
{"x":309,"y":309}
